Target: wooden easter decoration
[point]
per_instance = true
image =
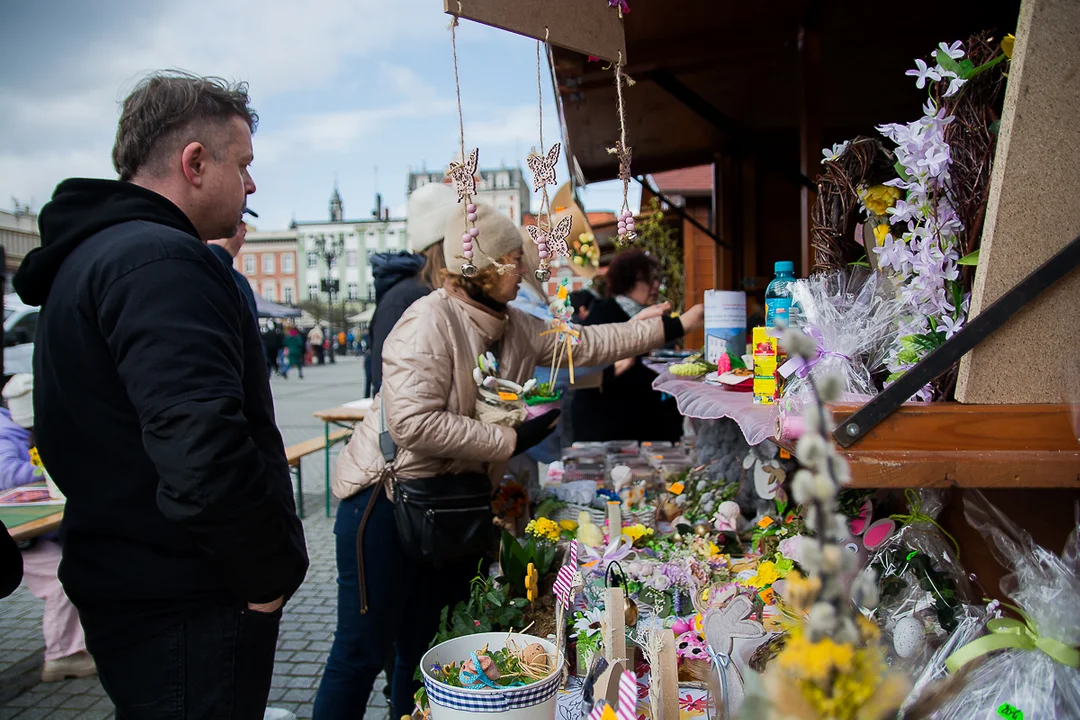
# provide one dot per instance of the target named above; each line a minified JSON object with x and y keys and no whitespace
{"x":614,"y":624}
{"x":721,"y":629}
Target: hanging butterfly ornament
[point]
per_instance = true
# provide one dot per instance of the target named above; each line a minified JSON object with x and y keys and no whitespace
{"x":463,"y":175}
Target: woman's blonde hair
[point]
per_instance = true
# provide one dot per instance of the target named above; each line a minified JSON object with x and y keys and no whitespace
{"x":482,"y":282}
{"x":432,"y":272}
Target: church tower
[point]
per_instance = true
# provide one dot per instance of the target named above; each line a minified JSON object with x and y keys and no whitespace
{"x":337,"y":210}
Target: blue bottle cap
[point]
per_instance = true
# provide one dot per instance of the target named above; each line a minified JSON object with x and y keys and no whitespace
{"x":784,"y":266}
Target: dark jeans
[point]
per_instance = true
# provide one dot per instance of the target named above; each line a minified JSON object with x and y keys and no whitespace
{"x":216,"y":664}
{"x":404,"y":601}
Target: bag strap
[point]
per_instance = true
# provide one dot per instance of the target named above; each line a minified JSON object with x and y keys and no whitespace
{"x":386,"y":443}
{"x":389,"y":451}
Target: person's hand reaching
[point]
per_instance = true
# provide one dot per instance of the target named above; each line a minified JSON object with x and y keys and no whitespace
{"x":533,"y":431}
{"x":693,"y":319}
{"x":653,"y":311}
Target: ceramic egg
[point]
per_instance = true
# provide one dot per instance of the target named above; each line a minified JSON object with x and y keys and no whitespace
{"x":908,"y":637}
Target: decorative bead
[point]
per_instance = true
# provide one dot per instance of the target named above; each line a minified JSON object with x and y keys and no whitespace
{"x":471,"y":207}
{"x":471,"y":217}
{"x":622,"y":228}
{"x":468,"y":269}
{"x":474,"y":232}
{"x":467,"y":252}
{"x":466,"y":246}
{"x":542,"y":274}
{"x":542,"y":246}
{"x":466,"y":237}
{"x":544,"y":254}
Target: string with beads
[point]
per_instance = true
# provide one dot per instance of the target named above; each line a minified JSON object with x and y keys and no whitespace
{"x":624,"y":152}
{"x":463,"y":173}
{"x":550,"y":238}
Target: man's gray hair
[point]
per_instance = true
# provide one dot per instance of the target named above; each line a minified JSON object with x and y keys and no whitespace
{"x":171,"y":108}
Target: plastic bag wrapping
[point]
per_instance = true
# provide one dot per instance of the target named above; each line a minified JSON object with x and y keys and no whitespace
{"x":971,"y":626}
{"x":853,"y":316}
{"x":924,"y":591}
{"x":1046,"y":588}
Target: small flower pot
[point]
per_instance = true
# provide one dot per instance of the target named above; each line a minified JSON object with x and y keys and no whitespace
{"x":540,"y":404}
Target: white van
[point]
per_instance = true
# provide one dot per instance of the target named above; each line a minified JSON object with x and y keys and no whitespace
{"x":20,"y":326}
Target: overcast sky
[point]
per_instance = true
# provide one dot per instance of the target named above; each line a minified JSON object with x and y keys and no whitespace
{"x":341,"y":87}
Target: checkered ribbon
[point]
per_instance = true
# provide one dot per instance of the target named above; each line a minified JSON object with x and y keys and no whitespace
{"x":565,"y":579}
{"x":491,"y":700}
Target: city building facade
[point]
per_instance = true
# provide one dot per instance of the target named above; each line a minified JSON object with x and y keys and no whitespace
{"x":503,"y":188}
{"x":18,"y":236}
{"x":269,"y":261}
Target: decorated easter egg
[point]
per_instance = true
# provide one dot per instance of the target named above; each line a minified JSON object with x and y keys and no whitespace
{"x":908,"y":637}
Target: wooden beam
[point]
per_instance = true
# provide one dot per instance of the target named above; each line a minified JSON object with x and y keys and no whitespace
{"x":809,"y":135}
{"x":590,"y":28}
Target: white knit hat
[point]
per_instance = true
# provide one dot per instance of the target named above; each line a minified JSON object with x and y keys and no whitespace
{"x":429,"y":207}
{"x":498,"y":236}
{"x":19,"y":394}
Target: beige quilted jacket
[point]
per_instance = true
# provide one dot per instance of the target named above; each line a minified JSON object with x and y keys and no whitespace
{"x":430,"y":394}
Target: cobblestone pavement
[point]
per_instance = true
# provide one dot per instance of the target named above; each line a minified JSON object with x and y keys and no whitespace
{"x":307,"y":625}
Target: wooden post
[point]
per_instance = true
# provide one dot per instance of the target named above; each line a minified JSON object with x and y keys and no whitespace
{"x":809,"y":134}
{"x":1031,"y":214}
{"x":614,"y":624}
{"x":667,"y":678}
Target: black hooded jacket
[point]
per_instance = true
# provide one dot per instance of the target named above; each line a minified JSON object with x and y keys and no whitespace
{"x":397,"y":286}
{"x":154,"y":416}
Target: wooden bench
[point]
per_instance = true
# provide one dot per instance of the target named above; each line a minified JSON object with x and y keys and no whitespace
{"x":296,"y":453}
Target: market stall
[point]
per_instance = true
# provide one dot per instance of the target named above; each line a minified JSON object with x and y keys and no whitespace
{"x":817,"y":544}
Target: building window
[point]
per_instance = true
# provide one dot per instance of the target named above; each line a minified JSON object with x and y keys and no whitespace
{"x":312,"y":260}
{"x":268,"y":263}
{"x":287,"y":263}
{"x":286,"y":294}
{"x":371,"y":291}
{"x":350,"y":258}
{"x":502,"y":180}
{"x":354,"y":291}
{"x":269,"y":291}
{"x":249,"y":264}
{"x":313,"y":291}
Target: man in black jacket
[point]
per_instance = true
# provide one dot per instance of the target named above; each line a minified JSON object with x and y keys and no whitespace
{"x":226,"y":250}
{"x":396,"y":288}
{"x":154,"y":415}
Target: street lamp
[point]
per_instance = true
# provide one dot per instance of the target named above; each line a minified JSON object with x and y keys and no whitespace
{"x":330,"y":252}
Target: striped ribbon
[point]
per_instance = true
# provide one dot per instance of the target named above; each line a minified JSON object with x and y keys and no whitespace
{"x":628,"y":701}
{"x":564,"y":580}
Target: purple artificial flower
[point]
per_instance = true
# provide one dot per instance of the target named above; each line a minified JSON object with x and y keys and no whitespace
{"x":624,"y":7}
{"x":955,"y":51}
{"x":922,"y":72}
{"x":950,"y":326}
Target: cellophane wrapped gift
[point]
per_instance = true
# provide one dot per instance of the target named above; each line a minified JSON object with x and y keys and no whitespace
{"x":1039,"y":675}
{"x":853,"y":317}
{"x":924,"y":591}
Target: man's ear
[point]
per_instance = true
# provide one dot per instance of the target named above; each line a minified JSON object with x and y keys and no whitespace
{"x":193,"y":161}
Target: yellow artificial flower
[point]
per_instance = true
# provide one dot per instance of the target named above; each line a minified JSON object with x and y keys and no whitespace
{"x":880,"y":198}
{"x":568,"y":525}
{"x":880,"y":232}
{"x":543,"y":529}
{"x":1007,"y":43}
{"x":815,"y":661}
{"x":637,"y":532}
{"x":713,"y":550}
{"x":766,"y":575}
{"x":532,"y":589}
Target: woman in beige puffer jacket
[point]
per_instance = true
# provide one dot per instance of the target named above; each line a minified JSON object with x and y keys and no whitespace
{"x":429,"y":396}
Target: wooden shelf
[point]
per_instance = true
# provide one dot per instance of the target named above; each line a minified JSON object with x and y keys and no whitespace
{"x":976,"y":446}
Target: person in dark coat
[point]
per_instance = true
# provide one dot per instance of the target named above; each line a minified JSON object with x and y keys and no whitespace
{"x":153,"y":413}
{"x":403,"y":278}
{"x":226,"y":250}
{"x":626,"y":407}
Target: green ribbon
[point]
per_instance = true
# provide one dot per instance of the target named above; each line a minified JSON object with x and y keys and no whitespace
{"x":917,"y":515}
{"x":1009,"y":633}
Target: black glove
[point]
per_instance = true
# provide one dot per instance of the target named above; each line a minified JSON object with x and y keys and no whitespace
{"x":533,"y":431}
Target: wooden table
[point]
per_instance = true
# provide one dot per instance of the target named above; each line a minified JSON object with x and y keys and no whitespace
{"x":28,"y":521}
{"x":346,"y":416}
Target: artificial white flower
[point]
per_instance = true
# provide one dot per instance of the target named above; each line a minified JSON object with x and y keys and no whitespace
{"x":836,"y":151}
{"x":584,"y":625}
{"x":955,"y":51}
{"x":923,"y":73}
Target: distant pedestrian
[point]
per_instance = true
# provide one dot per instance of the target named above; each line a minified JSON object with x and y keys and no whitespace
{"x":350,"y":341}
{"x":294,"y":353}
{"x":315,"y":337}
{"x":154,"y":414}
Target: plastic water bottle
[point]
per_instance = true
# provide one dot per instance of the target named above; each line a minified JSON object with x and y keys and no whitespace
{"x":780,"y":309}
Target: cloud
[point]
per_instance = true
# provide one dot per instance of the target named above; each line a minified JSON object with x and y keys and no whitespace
{"x":505,"y":126}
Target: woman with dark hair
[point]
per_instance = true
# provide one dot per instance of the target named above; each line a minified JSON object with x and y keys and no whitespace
{"x":625,"y":407}
{"x":424,"y":425}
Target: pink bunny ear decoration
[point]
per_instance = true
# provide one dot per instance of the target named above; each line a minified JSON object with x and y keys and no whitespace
{"x":858,"y":524}
{"x":564,"y":581}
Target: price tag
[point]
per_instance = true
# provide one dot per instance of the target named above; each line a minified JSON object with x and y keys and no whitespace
{"x":768,"y":596}
{"x":508,"y":396}
{"x":765,"y":522}
{"x":784,"y":454}
{"x":676,"y":488}
{"x":1009,"y":712}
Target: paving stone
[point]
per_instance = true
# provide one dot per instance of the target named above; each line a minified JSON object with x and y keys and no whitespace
{"x":96,"y":714}
{"x":82,"y":702}
{"x":8,"y":712}
{"x":34,"y":713}
{"x":65,"y":714}
{"x":311,"y":669}
{"x":276,"y":693}
{"x":305,"y":657}
{"x":297,"y":644}
{"x":299,"y":695}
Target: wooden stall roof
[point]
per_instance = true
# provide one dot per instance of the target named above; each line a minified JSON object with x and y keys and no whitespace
{"x":742,"y":60}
